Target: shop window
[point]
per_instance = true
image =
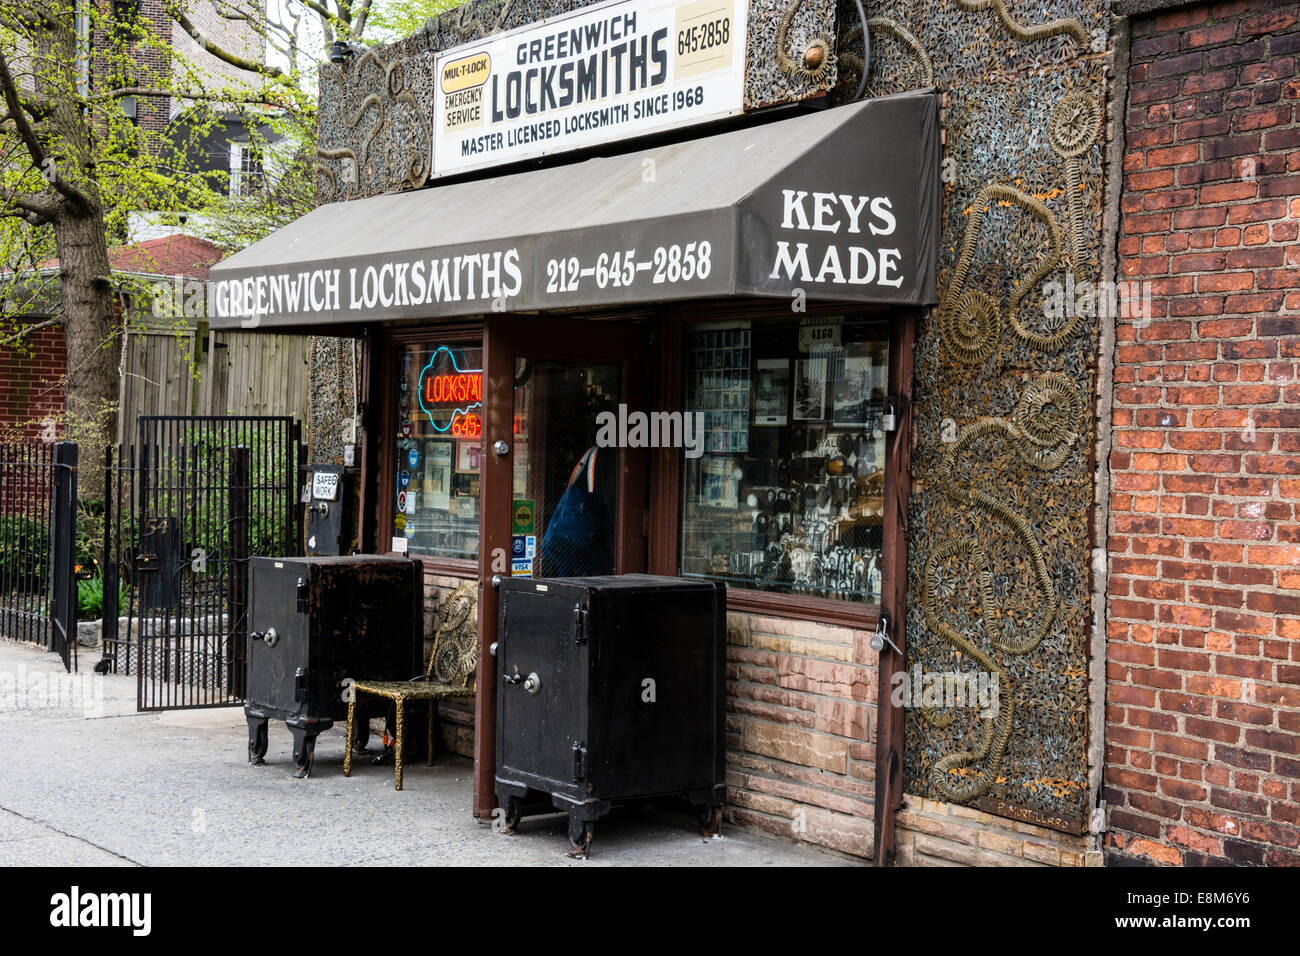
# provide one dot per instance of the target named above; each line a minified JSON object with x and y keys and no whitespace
{"x":439,"y":443}
{"x":788,"y":493}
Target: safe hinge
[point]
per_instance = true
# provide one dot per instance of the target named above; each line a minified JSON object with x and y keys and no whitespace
{"x":579,"y":624}
{"x":579,"y":761}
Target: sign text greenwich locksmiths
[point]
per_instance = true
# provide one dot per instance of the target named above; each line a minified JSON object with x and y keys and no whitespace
{"x":603,"y":73}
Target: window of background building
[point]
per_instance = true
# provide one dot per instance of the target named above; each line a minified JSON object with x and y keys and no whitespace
{"x":247,"y":176}
{"x":439,"y":427}
{"x":788,"y":495}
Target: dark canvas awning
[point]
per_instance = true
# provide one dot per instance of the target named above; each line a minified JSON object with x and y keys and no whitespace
{"x":843,"y":204}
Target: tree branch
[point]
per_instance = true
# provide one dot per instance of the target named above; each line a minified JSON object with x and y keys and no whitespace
{"x":28,"y":135}
{"x":57,"y":320}
{"x":33,"y":204}
{"x":321,"y":9}
{"x":203,"y":39}
{"x":199,"y":96}
{"x":359,"y":26}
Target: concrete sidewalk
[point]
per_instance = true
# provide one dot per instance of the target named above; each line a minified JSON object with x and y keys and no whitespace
{"x":88,"y":781}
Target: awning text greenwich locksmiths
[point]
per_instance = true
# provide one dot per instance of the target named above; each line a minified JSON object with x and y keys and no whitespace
{"x":840,"y":205}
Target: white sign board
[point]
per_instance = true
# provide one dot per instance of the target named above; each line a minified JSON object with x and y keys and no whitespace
{"x":325,"y":485}
{"x":602,"y":73}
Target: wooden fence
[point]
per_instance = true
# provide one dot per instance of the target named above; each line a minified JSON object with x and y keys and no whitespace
{"x":195,"y":371}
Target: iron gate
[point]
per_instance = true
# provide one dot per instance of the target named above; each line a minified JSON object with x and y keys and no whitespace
{"x":38,"y":526}
{"x":188,"y":504}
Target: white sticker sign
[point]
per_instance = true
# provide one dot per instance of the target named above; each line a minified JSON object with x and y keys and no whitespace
{"x":603,"y":73}
{"x":325,"y":485}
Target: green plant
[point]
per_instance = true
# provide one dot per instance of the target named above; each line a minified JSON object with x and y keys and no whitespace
{"x":24,"y":554}
{"x":90,"y":598}
{"x":90,"y":533}
{"x":206,"y":521}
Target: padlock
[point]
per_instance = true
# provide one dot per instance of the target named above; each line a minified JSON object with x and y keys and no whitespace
{"x":888,"y":419}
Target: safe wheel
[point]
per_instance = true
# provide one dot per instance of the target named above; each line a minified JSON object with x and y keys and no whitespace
{"x":580,"y":832}
{"x":257,"y":741}
{"x":513,"y":814}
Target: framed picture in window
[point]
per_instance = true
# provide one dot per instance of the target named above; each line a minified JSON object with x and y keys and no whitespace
{"x":810,"y":390}
{"x":771,"y":391}
{"x":852,"y":392}
{"x":719,"y":486}
{"x":468,"y":457}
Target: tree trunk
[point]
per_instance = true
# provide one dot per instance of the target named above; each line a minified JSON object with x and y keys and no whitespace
{"x":91,"y":335}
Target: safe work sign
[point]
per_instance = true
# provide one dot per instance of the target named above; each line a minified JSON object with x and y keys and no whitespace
{"x":600,"y":74}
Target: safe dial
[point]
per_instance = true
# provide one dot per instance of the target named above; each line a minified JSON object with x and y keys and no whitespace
{"x":533,"y":683}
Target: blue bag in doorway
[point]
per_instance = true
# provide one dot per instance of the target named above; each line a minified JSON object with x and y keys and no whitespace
{"x":576,"y":542}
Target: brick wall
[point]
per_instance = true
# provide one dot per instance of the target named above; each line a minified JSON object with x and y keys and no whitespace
{"x":31,"y":384}
{"x":235,"y":36}
{"x":801,"y":749}
{"x":1203,"y":716}
{"x":151,"y":67}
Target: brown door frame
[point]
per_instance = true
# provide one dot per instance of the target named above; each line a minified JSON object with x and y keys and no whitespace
{"x":893,"y":586}
{"x":554,"y":338}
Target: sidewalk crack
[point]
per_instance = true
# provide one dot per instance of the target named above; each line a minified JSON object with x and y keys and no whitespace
{"x":80,"y":839}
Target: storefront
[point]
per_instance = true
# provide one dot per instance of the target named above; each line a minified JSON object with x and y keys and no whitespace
{"x":726,"y":319}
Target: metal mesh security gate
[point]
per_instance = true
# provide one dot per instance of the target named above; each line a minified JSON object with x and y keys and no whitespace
{"x":188,"y":505}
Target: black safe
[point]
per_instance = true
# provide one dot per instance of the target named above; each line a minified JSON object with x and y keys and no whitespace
{"x":327,"y":509}
{"x":315,"y":622}
{"x":611,"y":689}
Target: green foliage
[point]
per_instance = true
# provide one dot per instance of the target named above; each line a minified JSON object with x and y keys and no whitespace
{"x":205,"y":520}
{"x":90,"y":534}
{"x":394,"y":19}
{"x":90,"y":598}
{"x":25,"y":556}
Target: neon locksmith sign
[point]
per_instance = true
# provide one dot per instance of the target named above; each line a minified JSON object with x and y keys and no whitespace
{"x":450,"y":395}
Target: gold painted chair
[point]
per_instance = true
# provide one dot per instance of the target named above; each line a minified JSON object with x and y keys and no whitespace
{"x":451,"y":666}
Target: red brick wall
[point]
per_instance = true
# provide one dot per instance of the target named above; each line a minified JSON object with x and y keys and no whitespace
{"x":1203,"y":715}
{"x":31,"y":384}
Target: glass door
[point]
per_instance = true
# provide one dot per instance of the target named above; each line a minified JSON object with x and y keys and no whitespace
{"x":565,"y":481}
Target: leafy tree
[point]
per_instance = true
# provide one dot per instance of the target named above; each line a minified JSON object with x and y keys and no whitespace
{"x":74,"y":165}
{"x":396,"y":19}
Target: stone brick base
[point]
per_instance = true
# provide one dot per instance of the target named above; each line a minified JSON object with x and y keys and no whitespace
{"x":933,"y":833}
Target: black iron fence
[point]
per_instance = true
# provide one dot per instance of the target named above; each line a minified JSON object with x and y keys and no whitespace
{"x":38,"y":521}
{"x":185,"y":508}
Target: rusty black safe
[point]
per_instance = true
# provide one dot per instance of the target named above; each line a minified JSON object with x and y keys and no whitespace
{"x":611,"y":690}
{"x":315,"y":622}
